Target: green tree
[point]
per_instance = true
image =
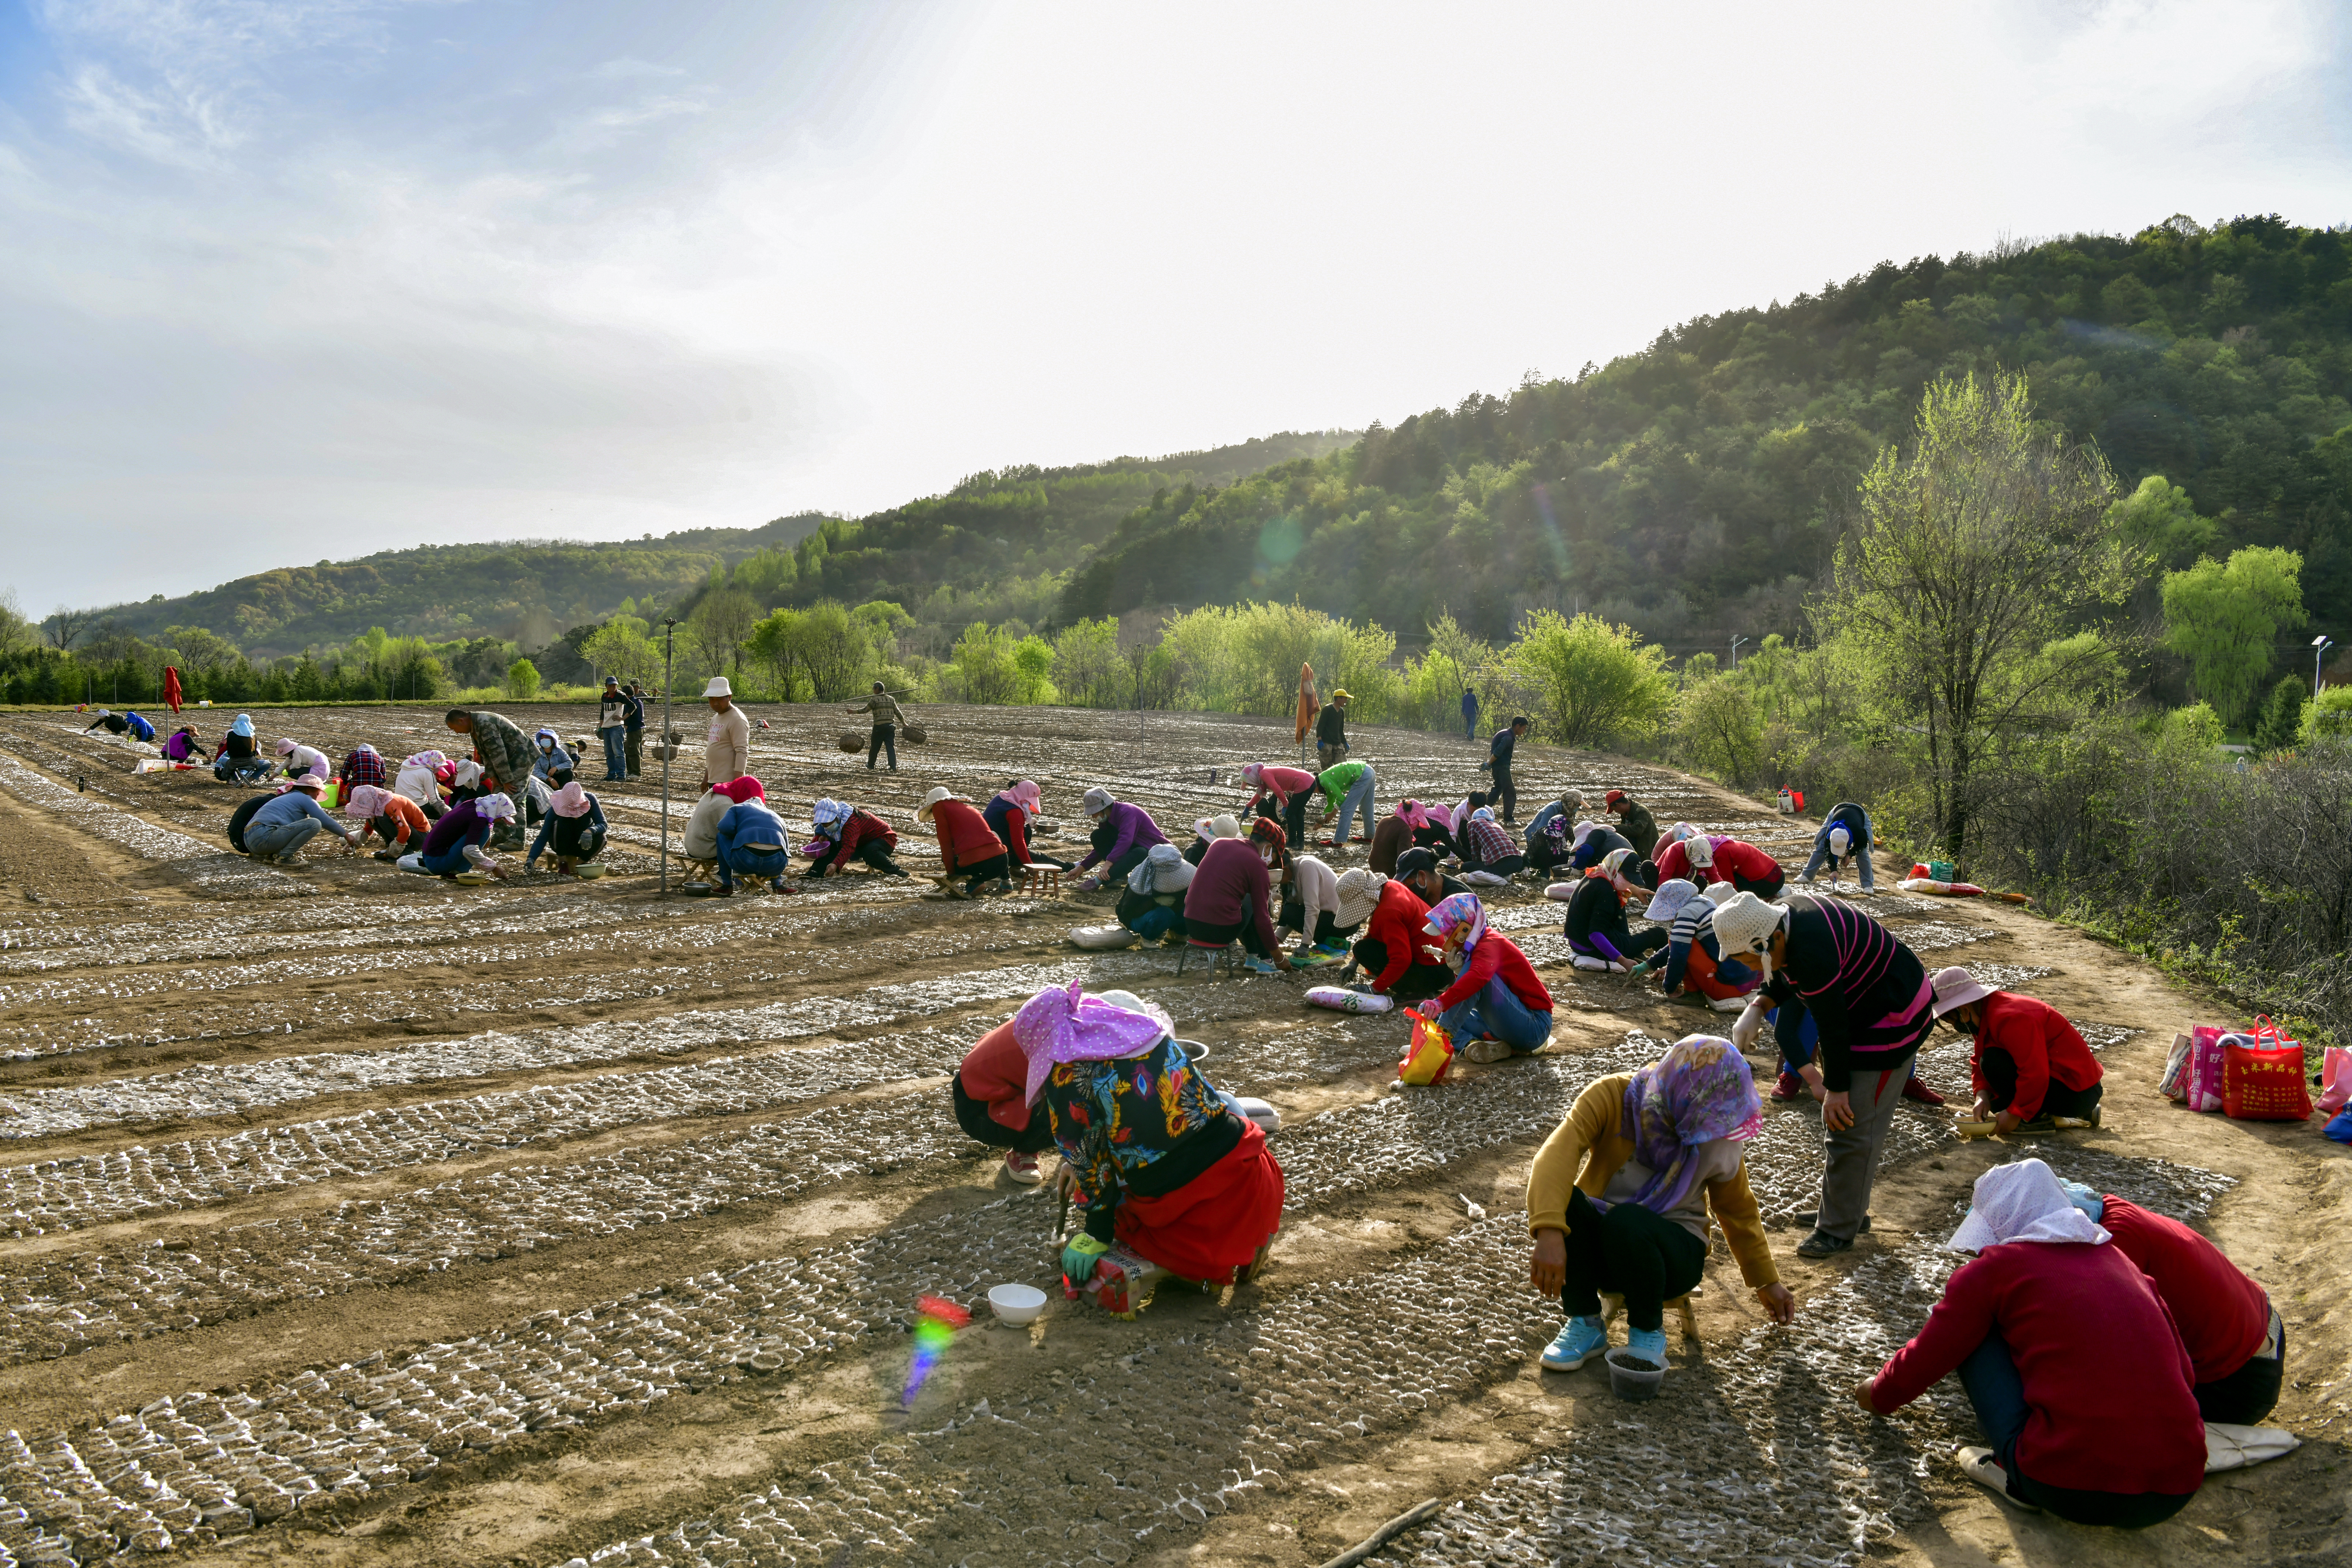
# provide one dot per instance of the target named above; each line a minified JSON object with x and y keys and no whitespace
{"x":1033,"y":666}
{"x":717,"y":628}
{"x":2281,"y":724}
{"x":982,"y":665}
{"x":522,"y":680}
{"x":835,"y":648}
{"x":1087,"y":664}
{"x":2161,"y":519}
{"x":1594,"y":681}
{"x":1970,"y":553}
{"x":621,"y":648}
{"x":1719,"y":730}
{"x":2329,"y":715}
{"x":2225,"y":620}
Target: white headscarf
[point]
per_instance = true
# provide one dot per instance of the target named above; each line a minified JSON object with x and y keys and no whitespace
{"x":2022,"y":1202}
{"x":497,"y":807}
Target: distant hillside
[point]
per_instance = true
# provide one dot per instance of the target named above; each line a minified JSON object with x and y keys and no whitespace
{"x":1694,"y":488}
{"x":1017,"y":521}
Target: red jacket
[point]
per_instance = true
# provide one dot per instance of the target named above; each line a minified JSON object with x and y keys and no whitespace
{"x":1737,"y":859}
{"x":861,"y":827}
{"x":1673,"y":861}
{"x":1497,"y":954}
{"x":2107,"y":1385}
{"x":2041,"y":1042}
{"x":2223,"y":1315}
{"x":997,"y":1073}
{"x":964,"y":836}
{"x":1281,"y":783}
{"x":1399,"y":923}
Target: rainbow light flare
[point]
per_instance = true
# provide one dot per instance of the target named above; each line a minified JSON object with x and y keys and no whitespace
{"x":940,"y":1317}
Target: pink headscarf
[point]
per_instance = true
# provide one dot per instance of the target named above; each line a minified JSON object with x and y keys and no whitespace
{"x":572,"y":800}
{"x":1065,"y":1024}
{"x":1027,"y":795}
{"x":1413,"y":814}
{"x":1250,"y":772}
{"x":741,"y":790}
{"x":366,"y":800}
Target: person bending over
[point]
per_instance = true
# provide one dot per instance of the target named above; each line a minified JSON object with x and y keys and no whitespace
{"x":753,"y":842}
{"x":845,"y":832}
{"x":1346,"y":790}
{"x":968,"y":848}
{"x":282,"y":826}
{"x":1288,"y":789}
{"x":1633,"y":820}
{"x":1395,"y":952}
{"x":1596,"y":928}
{"x":1122,"y":834}
{"x":1231,"y":898}
{"x":1152,"y":899}
{"x":1008,"y":816}
{"x":993,"y":1104}
{"x":459,"y":839}
{"x":1845,"y":836}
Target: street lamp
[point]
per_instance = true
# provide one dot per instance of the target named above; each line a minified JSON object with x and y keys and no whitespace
{"x":2319,"y":646}
{"x":1735,"y":651}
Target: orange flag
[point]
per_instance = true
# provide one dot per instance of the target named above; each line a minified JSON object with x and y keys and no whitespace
{"x":1309,"y":706}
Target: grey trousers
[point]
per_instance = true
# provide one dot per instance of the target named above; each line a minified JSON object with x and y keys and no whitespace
{"x":1850,"y":1159}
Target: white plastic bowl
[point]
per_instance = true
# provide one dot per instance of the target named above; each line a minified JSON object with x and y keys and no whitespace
{"x":1016,"y":1303}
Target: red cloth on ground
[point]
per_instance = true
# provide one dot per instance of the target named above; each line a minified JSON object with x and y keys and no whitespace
{"x":1214,"y":1222}
{"x":2041,"y":1042}
{"x":2223,"y":1315}
{"x":2106,"y":1380}
{"x":996,"y":1071}
{"x":741,"y":790}
{"x":1497,"y":954}
{"x":965,"y":837}
{"x":1400,"y":923}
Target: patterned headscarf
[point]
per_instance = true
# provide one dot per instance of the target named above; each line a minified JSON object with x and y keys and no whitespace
{"x":1250,"y":772}
{"x":829,"y":815}
{"x":497,"y":807}
{"x":365,"y":800}
{"x":1483,"y":814}
{"x":1063,"y":1024}
{"x":1025,"y":795}
{"x":1459,"y":912}
{"x":425,"y":760}
{"x":1267,"y":830}
{"x":1700,"y":1090}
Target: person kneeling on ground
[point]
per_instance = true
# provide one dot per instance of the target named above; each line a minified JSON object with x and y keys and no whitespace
{"x":2029,"y":1063}
{"x":298,"y":759}
{"x":362,"y":764}
{"x":573,"y":827}
{"x":1232,"y":898}
{"x":183,"y":746}
{"x":391,"y":817}
{"x":1395,"y":952}
{"x":1845,"y":836}
{"x":845,"y":834}
{"x":1417,"y":869}
{"x":1496,"y":1007}
{"x":1621,"y":1193}
{"x":1163,"y":1164}
{"x":993,"y":1103}
{"x":1691,"y":957}
{"x":457,"y":842}
{"x":240,"y":758}
{"x":752,"y":840}
{"x":699,"y":843}
{"x":2236,"y":1343}
{"x":1397,"y":833}
{"x":2077,"y":1374}
{"x":1490,"y":854}
{"x":1151,"y":901}
{"x":283,"y":824}
{"x":1008,"y":816}
{"x":968,"y":847}
{"x":113,"y":723}
{"x":1596,"y":929}
{"x":1121,"y":837}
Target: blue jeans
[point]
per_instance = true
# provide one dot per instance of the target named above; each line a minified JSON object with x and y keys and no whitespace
{"x":1358,"y":799}
{"x":444,"y":865}
{"x":1470,"y":726}
{"x":280,"y":837}
{"x":1497,"y":1011}
{"x":766,"y":864}
{"x":616,"y":754}
{"x":1860,"y":846}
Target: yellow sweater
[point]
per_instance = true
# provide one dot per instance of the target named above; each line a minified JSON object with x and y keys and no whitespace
{"x":1586,"y":1149}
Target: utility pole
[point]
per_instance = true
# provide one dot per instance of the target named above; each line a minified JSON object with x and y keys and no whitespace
{"x":669,"y":640}
{"x":2319,"y":646}
{"x":1735,"y":651}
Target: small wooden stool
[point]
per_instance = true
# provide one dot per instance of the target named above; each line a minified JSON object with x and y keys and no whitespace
{"x":1613,"y":1307}
{"x":1043,"y":879}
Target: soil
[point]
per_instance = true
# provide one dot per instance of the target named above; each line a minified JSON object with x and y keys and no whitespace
{"x":356,"y":1216}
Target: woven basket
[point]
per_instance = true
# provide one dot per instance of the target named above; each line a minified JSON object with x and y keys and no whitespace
{"x":851,"y":742}
{"x":914,"y":734}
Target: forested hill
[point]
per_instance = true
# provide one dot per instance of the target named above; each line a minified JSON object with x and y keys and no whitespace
{"x":1018,"y":521}
{"x":1694,"y":488}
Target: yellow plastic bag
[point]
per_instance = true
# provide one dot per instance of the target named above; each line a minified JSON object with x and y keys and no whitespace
{"x":1429,"y":1054}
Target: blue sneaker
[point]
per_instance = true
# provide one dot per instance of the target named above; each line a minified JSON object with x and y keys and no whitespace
{"x":1577,"y":1342}
{"x":1257,"y":965}
{"x":1650,"y":1344}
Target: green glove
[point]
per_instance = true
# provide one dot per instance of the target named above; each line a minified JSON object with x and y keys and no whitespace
{"x":1079,"y":1255}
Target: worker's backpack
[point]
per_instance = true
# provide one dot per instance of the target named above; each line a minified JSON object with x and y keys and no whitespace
{"x":241,"y":816}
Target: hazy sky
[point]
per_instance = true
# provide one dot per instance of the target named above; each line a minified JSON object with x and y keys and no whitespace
{"x":290,"y":280}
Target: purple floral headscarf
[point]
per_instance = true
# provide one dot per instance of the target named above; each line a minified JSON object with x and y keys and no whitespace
{"x":1461,"y":912}
{"x":1700,"y":1090}
{"x":1063,"y":1024}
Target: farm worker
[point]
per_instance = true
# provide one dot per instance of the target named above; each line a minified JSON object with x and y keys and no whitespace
{"x":2029,"y":1063}
{"x":1331,"y":732}
{"x":112,"y":722}
{"x":504,"y":754}
{"x":240,"y":757}
{"x":636,"y":727}
{"x":1151,"y":901}
{"x":1394,"y":835}
{"x":752,"y":840}
{"x":172,"y":687}
{"x":1347,"y":788}
{"x":1691,"y":957}
{"x":1490,"y":852}
{"x":1596,"y":929}
{"x":458,"y":841}
{"x":1122,"y":836}
{"x":1160,"y":1162}
{"x":846,"y":834}
{"x":1869,"y":1003}
{"x":968,"y":848}
{"x":2236,"y":1343}
{"x":362,"y":764}
{"x":1308,"y":891}
{"x":395,"y":818}
{"x":301,"y":759}
{"x":1008,"y":817}
{"x":548,"y":752}
{"x":1633,"y":820}
{"x":1496,"y":1005}
{"x":1469,"y":714}
{"x":1417,"y":869}
{"x":883,"y":736}
{"x":613,"y":707}
{"x":1288,"y":786}
{"x":1498,"y":760}
{"x":1593,"y":842}
{"x":1621,"y":1193}
{"x":1395,"y":952}
{"x":573,"y":828}
{"x":1232,"y":898}
{"x":1569,"y":803}
{"x":700,"y":840}
{"x":419,"y":781}
{"x":2076,"y":1371}
{"x":991,"y":1091}
{"x":726,"y":745}
{"x":279,"y":829}
{"x":1844,"y":836}
{"x":183,"y":745}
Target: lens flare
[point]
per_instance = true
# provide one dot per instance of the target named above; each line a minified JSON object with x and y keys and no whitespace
{"x":940,"y":1317}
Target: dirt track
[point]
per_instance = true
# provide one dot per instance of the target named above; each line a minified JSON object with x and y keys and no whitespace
{"x":362,"y":1218}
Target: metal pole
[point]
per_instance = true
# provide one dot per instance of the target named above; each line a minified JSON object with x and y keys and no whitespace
{"x":669,"y":639}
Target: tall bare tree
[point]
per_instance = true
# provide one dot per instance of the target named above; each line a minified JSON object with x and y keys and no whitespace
{"x":66,"y":628}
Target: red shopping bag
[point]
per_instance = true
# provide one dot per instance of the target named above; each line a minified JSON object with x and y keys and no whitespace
{"x":2263,"y":1082}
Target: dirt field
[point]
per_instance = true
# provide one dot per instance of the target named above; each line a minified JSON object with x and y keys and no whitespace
{"x":359,"y":1217}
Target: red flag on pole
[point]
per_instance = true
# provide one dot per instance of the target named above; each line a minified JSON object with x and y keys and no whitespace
{"x":1309,"y":706}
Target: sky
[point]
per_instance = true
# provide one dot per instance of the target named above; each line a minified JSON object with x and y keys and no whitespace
{"x":291,"y":280}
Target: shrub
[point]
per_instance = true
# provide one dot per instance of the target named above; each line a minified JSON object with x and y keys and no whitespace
{"x":1594,"y":681}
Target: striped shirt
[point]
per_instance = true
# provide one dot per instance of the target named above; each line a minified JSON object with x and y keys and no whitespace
{"x":1867,"y":992}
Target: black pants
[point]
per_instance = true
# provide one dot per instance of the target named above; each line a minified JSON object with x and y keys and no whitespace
{"x":1326,"y":932}
{"x":580,"y":843}
{"x":1990,"y":1377}
{"x":1505,"y":797}
{"x":1767,"y":888}
{"x":1634,"y":1251}
{"x":1102,"y":839}
{"x":885,"y":737}
{"x":2001,"y":1088}
{"x":2247,"y":1394}
{"x":989,"y":870}
{"x":1419,"y":982}
{"x":972,"y":1116}
{"x":1505,"y":867}
{"x":1244,"y":931}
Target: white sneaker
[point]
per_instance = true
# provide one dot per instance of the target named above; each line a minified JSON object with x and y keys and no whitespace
{"x":1977,"y":1464}
{"x":1486,"y":1051}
